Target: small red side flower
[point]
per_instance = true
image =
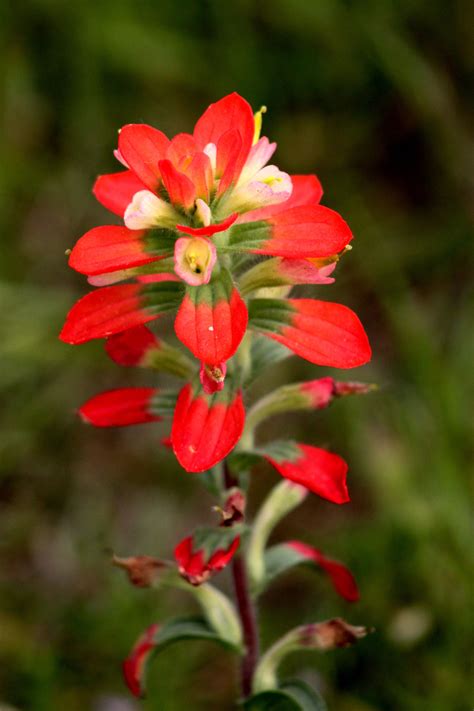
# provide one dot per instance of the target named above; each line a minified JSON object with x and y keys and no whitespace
{"x":197,"y":566}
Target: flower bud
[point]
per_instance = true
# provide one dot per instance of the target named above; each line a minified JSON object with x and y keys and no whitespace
{"x":233,"y":510}
{"x":322,"y":636}
{"x":212,"y":377}
{"x":143,"y":571}
{"x":329,"y":635}
{"x":147,"y":211}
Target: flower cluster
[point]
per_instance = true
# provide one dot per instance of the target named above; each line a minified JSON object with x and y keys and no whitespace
{"x":213,"y":233}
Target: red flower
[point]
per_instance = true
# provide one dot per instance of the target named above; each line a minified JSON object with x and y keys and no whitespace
{"x":341,"y":577}
{"x":198,"y":565}
{"x":199,"y":198}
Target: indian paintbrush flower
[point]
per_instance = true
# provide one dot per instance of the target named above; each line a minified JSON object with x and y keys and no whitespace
{"x":217,"y":235}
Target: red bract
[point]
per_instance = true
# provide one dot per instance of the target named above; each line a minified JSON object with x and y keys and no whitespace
{"x":323,"y":333}
{"x":206,"y":427}
{"x":197,"y":566}
{"x":132,"y":347}
{"x":212,"y":320}
{"x":135,"y":664}
{"x":108,"y":249}
{"x":119,"y":408}
{"x":341,"y":577}
{"x":320,"y":471}
{"x":113,"y":309}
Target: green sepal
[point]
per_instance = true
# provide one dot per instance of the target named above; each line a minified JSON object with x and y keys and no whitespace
{"x":169,"y":359}
{"x":263,"y":275}
{"x":210,"y":539}
{"x":161,"y":297}
{"x":160,"y":241}
{"x":269,"y":315}
{"x":164,"y":402}
{"x":219,"y":289}
{"x":292,"y":695}
{"x":248,"y":236}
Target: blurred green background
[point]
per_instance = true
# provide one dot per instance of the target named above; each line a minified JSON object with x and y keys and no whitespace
{"x":373,"y":97}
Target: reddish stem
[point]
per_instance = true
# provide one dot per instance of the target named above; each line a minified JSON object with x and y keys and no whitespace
{"x":246,"y":609}
{"x":249,"y":624}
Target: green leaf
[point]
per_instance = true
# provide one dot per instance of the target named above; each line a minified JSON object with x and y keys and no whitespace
{"x":240,"y":462}
{"x":307,"y":698}
{"x":282,"y":499}
{"x":212,"y":480}
{"x":279,"y":559}
{"x":152,"y":642}
{"x":186,"y":628}
{"x":265,"y":352}
{"x":280,"y":450}
{"x":291,"y":696}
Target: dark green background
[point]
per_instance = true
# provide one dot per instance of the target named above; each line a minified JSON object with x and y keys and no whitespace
{"x":372,"y":97}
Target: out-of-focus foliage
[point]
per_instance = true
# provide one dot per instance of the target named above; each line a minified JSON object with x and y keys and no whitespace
{"x":373,"y":97}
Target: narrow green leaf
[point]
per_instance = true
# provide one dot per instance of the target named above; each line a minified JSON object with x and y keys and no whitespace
{"x":291,"y":696}
{"x":279,"y":559}
{"x":307,"y":698}
{"x":186,"y":628}
{"x":265,"y":352}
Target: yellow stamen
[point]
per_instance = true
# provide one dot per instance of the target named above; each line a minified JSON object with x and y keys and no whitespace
{"x":258,"y":123}
{"x":197,"y":256}
{"x":324,"y":261}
